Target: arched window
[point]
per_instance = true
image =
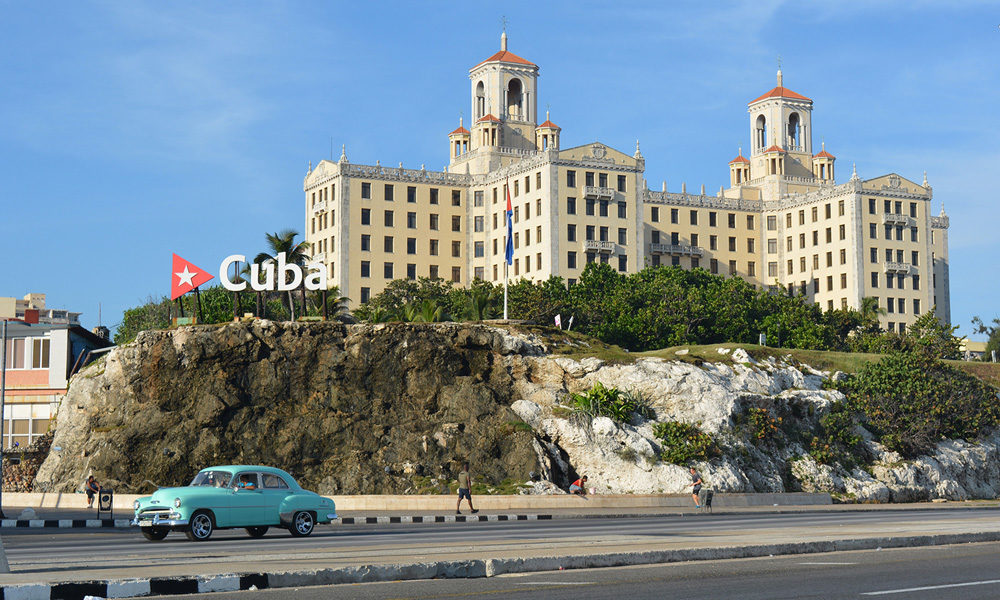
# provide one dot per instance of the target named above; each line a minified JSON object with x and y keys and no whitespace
{"x":761,"y":131}
{"x":480,"y":100}
{"x":793,"y":129}
{"x":514,"y":97}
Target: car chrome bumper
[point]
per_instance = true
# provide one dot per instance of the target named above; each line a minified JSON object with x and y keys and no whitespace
{"x":156,"y":521}
{"x":331,"y":516}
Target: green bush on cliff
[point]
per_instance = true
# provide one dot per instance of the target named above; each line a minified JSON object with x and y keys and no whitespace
{"x":912,"y":401}
{"x":836,"y":441}
{"x":682,"y":443}
{"x":600,"y":401}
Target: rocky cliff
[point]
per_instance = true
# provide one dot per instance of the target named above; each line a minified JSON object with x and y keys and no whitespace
{"x":394,"y":408}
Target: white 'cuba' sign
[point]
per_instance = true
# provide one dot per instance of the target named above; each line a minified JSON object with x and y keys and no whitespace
{"x":290,"y":276}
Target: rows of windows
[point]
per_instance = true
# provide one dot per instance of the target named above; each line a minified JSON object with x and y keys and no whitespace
{"x":675,"y":216}
{"x":433,"y":245}
{"x":895,"y":280}
{"x":28,"y":353}
{"x":389,"y":220}
{"x":433,"y":195}
{"x":813,"y":214}
{"x":324,"y":220}
{"x":893,"y":207}
{"x":515,"y":267}
{"x":389,"y":272}
{"x":593,"y":178}
{"x":898,"y":306}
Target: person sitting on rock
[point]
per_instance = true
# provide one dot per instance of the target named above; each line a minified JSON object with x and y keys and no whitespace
{"x":578,"y":486}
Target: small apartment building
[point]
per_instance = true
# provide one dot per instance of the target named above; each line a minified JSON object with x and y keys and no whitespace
{"x":783,"y":222}
{"x":40,"y":361}
{"x":32,"y":309}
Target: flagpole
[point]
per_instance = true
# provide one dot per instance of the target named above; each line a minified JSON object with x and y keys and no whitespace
{"x":506,"y":241}
{"x":505,"y":282}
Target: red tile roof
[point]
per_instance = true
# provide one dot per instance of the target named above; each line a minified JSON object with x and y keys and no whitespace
{"x":548,"y":124}
{"x":489,"y":118}
{"x":460,"y":130}
{"x":739,"y":159}
{"x":774,"y":149}
{"x":782,"y":92}
{"x":824,"y":154}
{"x":507,"y":57}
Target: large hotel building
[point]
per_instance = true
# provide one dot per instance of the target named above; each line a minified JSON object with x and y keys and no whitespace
{"x":783,"y":220}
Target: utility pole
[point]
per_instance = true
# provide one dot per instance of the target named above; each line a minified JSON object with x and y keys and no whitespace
{"x":3,"y":393}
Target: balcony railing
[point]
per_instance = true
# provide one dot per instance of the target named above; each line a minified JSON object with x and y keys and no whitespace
{"x":593,"y":191}
{"x":897,"y":219}
{"x":898,"y":268}
{"x":319,"y":206}
{"x":598,"y":245}
{"x":676,"y":249}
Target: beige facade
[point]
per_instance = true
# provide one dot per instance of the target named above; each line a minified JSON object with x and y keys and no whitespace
{"x":783,"y":220}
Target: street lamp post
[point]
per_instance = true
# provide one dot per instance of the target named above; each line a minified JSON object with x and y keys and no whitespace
{"x":3,"y":393}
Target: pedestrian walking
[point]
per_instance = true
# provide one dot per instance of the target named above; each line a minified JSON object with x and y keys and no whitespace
{"x":696,"y":484}
{"x":464,"y":489}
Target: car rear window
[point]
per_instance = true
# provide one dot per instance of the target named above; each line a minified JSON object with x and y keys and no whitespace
{"x":212,"y":479}
{"x":274,"y":481}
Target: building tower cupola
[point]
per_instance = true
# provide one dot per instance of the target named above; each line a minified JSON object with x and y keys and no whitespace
{"x":459,"y":140}
{"x":739,"y":170}
{"x":822,"y":164}
{"x":547,"y":134}
{"x":506,"y":86}
{"x":781,"y":120}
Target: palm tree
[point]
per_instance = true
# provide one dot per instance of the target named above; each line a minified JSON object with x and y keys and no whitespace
{"x":336,"y":304}
{"x":427,"y":311}
{"x":283,"y":243}
{"x":870,"y":312}
{"x":481,"y":305}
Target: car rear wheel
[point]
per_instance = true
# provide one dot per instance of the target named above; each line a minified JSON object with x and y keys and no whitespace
{"x":256,"y":532}
{"x":303,"y":523}
{"x":155,"y":534}
{"x":200,"y":527}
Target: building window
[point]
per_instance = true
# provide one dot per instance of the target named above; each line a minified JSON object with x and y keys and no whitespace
{"x":788,"y":219}
{"x":538,"y":180}
{"x":480,"y":250}
{"x":456,"y":274}
{"x":829,"y":235}
{"x":732,"y":244}
{"x":772,"y":246}
{"x":889,"y":280}
{"x":815,"y":238}
{"x":538,"y":207}
{"x":752,"y":269}
{"x":654,"y":214}
{"x":675,"y":261}
{"x":366,"y":294}
{"x":829,"y":283}
{"x":387,"y":243}
{"x":802,"y":264}
{"x":815,"y":286}
{"x":571,"y":259}
{"x":434,"y":248}
{"x":366,"y":269}
{"x":843,"y":281}
{"x":479,"y":224}
{"x":713,"y":242}
{"x":622,"y":263}
{"x":791,"y":266}
{"x":750,"y":245}
{"x":602,"y":180}
{"x":411,"y":193}
{"x":621,"y":183}
{"x":480,"y":273}
{"x":871,"y":206}
{"x":571,"y":179}
{"x":843,"y":256}
{"x":388,"y":218}
{"x":827,"y":210}
{"x":674,"y":216}
{"x":388,"y":192}
{"x":571,"y":206}
{"x":604,"y":233}
{"x":434,"y":195}
{"x":712,"y":218}
{"x":588,"y":178}
{"x":590,"y":232}
{"x":713,"y":266}
{"x":916,"y":306}
{"x":604,"y":208}
{"x":456,"y":223}
{"x":772,"y":269}
{"x":694,"y":217}
{"x":433,"y":272}
{"x":772,"y":223}
{"x":411,"y":220}
{"x":802,"y":217}
{"x":694,"y":239}
{"x":675,"y":238}
{"x":411,"y":271}
{"x":527,"y":237}
{"x":732,"y":267}
{"x":622,"y":211}
{"x":366,"y":242}
{"x":656,"y":260}
{"x":517,"y":188}
{"x":815,"y":213}
{"x":916,"y":281}
{"x":913,"y":234}
{"x":840,"y":208}
{"x":411,"y":245}
{"x":656,"y":236}
{"x":456,"y":249}
{"x":571,"y":232}
{"x":732,"y":220}
{"x":622,"y":236}
{"x":366,"y":216}
{"x":366,"y":190}
{"x":590,"y":207}
{"x":590,"y":257}
{"x":456,"y":198}
{"x":478,"y":202}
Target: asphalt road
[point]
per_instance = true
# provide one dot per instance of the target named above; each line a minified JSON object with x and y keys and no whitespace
{"x":76,"y":553}
{"x":966,"y":572}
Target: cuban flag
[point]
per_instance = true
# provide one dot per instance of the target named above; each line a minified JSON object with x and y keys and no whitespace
{"x":509,"y":251}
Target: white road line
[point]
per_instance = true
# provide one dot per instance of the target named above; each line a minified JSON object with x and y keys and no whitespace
{"x":554,"y":582}
{"x":931,"y":587}
{"x":827,"y":563}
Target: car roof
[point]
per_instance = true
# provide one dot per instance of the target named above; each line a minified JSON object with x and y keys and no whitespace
{"x":233,"y":469}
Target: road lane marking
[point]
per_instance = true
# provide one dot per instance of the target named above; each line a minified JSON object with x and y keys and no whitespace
{"x":554,"y":583}
{"x":931,"y":587}
{"x":828,"y":563}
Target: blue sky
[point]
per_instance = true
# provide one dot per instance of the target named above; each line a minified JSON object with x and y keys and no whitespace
{"x":132,"y":130}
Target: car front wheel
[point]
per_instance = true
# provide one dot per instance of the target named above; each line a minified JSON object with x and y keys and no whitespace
{"x":200,"y":527}
{"x":256,"y":532}
{"x":155,"y":534}
{"x":303,"y":523}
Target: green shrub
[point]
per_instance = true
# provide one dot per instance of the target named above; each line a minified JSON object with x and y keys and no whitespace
{"x":911,"y":401}
{"x":836,"y":441}
{"x":763,"y":426}
{"x":600,"y":401}
{"x":683,"y":442}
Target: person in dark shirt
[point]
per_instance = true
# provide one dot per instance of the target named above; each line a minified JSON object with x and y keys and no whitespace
{"x":696,"y":483}
{"x":92,"y":488}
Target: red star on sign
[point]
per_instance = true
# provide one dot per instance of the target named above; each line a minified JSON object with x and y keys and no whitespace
{"x":185,"y":276}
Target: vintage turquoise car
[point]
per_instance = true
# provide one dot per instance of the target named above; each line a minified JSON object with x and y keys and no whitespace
{"x":251,"y":497}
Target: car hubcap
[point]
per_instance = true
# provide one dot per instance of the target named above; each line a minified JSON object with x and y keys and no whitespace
{"x":303,"y":523}
{"x":202,"y":526}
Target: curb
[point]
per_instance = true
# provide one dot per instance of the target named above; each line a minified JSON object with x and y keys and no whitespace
{"x":125,"y":523}
{"x":127,"y":588}
{"x":65,"y":523}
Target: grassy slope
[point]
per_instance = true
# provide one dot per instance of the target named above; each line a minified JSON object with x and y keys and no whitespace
{"x":577,"y":346}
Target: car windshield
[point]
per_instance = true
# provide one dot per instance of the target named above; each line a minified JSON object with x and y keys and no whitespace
{"x":212,"y":479}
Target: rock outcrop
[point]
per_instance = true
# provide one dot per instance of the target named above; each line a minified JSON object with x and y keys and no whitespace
{"x":394,"y":408}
